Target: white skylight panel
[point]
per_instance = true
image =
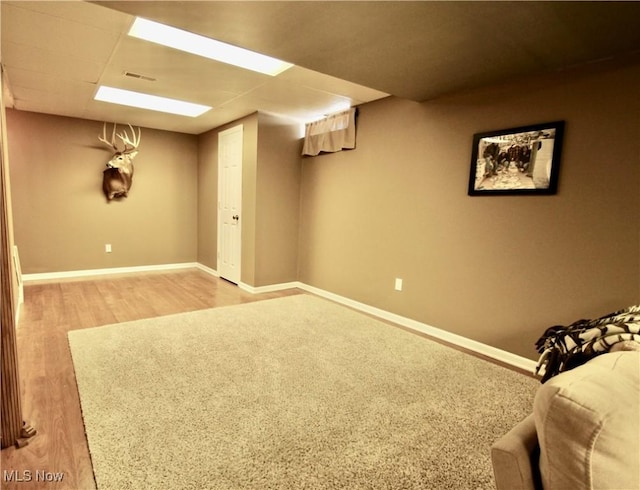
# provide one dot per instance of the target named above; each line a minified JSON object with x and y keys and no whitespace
{"x":206,"y":47}
{"x":150,"y":102}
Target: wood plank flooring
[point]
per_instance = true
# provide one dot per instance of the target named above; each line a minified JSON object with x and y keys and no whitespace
{"x":50,"y":400}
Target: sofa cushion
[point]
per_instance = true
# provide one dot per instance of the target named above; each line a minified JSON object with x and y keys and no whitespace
{"x":588,"y":425}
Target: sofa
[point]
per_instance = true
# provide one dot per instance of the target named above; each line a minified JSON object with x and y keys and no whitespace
{"x":584,"y":432}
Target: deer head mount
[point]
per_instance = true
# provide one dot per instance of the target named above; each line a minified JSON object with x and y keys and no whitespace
{"x":117,"y":178}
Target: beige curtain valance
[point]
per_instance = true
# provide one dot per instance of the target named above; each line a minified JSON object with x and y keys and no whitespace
{"x":336,"y":132}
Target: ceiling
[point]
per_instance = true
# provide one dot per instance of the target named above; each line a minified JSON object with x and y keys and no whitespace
{"x":56,"y":54}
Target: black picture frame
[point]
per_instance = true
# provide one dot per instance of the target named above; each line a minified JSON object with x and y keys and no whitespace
{"x":516,"y":161}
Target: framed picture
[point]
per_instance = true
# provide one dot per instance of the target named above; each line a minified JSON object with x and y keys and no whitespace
{"x":522,"y":160}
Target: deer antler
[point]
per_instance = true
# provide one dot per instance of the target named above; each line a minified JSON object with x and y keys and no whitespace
{"x":132,"y":143}
{"x":103,"y":138}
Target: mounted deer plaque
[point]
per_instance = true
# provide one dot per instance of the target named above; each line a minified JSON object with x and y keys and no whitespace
{"x":117,"y":178}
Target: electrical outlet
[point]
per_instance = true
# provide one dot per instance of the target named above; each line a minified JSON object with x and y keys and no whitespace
{"x":107,"y":248}
{"x":398,"y":286}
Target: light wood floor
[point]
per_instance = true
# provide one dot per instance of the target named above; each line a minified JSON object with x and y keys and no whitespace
{"x":49,"y":395}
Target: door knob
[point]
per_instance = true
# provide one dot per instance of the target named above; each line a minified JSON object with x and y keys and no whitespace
{"x":236,"y":217}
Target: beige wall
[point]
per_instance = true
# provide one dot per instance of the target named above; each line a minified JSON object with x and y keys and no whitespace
{"x":8,"y":241}
{"x":270,"y":199}
{"x":277,"y":200}
{"x":249,"y":202}
{"x":208,"y":199}
{"x":61,"y":218}
{"x":499,"y":270}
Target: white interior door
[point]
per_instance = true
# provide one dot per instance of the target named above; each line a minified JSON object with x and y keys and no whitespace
{"x":229,"y":203}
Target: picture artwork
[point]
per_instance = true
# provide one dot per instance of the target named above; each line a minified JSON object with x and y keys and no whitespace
{"x":522,"y":160}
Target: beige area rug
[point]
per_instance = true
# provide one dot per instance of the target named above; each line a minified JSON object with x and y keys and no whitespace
{"x":289,"y":393}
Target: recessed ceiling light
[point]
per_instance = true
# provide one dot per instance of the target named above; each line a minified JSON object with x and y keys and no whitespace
{"x":151,"y":102}
{"x":207,"y":47}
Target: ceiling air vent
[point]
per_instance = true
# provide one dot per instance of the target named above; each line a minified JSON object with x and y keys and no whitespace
{"x":138,"y":76}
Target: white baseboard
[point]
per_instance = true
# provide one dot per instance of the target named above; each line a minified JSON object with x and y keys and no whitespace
{"x":100,"y":272}
{"x":20,"y":300}
{"x":247,"y":287}
{"x":270,"y":288}
{"x":451,"y":338}
{"x":207,"y":269}
{"x":19,"y":280}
